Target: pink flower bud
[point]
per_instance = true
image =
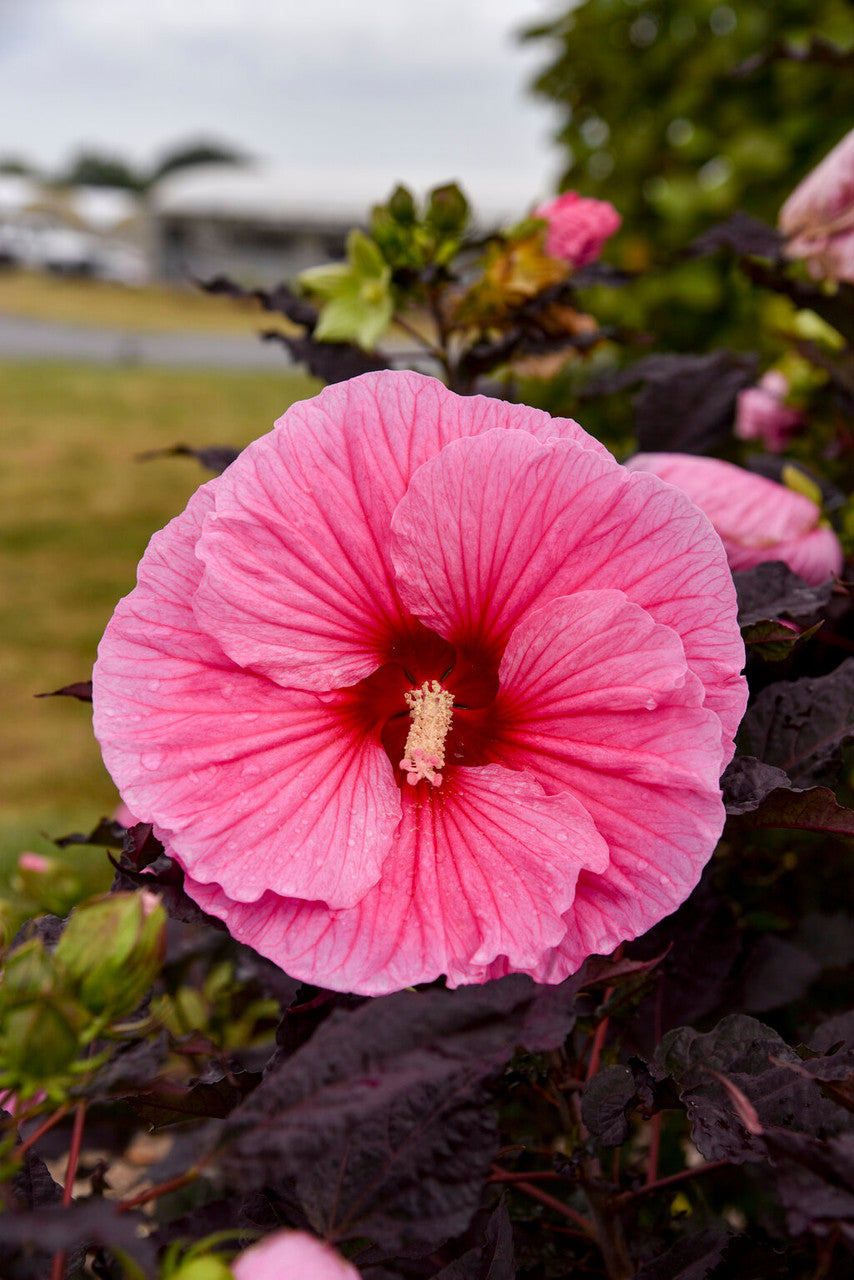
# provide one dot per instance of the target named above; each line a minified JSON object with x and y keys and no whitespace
{"x":762,"y":414}
{"x":818,"y":217}
{"x":578,"y":227}
{"x":34,"y":862}
{"x":292,"y":1255}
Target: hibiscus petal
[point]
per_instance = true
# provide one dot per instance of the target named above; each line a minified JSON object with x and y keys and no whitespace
{"x":298,"y":583}
{"x":746,"y":509}
{"x":253,"y":785}
{"x":597,"y":701}
{"x":816,"y":555}
{"x":483,"y":867}
{"x":554,"y":519}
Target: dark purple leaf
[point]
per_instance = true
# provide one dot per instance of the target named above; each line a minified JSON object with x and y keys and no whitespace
{"x":694,"y":1258}
{"x":281,"y":299}
{"x":166,"y":1103}
{"x":801,"y":726}
{"x":741,"y":234}
{"x":329,"y":361}
{"x":815,"y":1179}
{"x":746,"y":782}
{"x":108,"y":834}
{"x":383,"y":1116}
{"x":492,"y":1259}
{"x":32,"y":1186}
{"x":687,"y":402}
{"x":771,"y":590}
{"x":26,"y":1237}
{"x":213,"y":458}
{"x":81,"y":689}
{"x":815,"y":809}
{"x":605,"y":1102}
{"x":737,"y":1056}
{"x":130,"y":1068}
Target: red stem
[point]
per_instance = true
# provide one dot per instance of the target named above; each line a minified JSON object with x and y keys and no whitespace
{"x":57,"y":1268}
{"x":544,"y":1198}
{"x":44,"y":1128}
{"x":539,"y":1175}
{"x":673,"y":1180}
{"x":151,"y":1193}
{"x":598,"y":1041}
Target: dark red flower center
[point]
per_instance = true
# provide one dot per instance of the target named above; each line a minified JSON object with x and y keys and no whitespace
{"x":378,"y":705}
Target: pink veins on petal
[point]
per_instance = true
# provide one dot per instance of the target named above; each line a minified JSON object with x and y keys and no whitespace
{"x":427,"y":685}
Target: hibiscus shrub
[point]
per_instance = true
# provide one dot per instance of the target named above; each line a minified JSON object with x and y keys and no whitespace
{"x":465,"y":923}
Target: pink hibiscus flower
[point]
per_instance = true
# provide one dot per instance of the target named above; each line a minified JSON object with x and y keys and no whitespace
{"x":756,"y":518}
{"x":762,"y":413}
{"x":578,"y":226}
{"x":818,"y":217}
{"x":425,"y":684}
{"x":292,"y":1255}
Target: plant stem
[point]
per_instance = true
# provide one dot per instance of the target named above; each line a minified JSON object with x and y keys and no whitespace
{"x":673,"y":1180}
{"x":57,"y":1268}
{"x":161,"y":1189}
{"x":43,"y":1128}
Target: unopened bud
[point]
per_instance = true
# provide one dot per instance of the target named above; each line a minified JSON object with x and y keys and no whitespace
{"x":112,"y":949}
{"x":51,"y":884}
{"x":29,"y":973}
{"x":40,"y":1039}
{"x":401,"y":206}
{"x":448,"y":209}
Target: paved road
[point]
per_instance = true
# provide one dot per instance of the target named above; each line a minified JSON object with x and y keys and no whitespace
{"x":24,"y":339}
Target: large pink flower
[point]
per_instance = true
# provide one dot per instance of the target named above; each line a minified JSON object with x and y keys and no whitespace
{"x":424,"y":685}
{"x":292,"y":1255}
{"x":578,"y":226}
{"x":818,"y":217}
{"x":756,"y":518}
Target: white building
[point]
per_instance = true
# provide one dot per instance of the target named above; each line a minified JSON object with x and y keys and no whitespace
{"x":262,"y":224}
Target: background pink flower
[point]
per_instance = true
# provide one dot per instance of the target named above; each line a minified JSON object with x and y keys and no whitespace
{"x":292,"y":1255}
{"x":762,"y":413}
{"x":818,"y":217}
{"x":254,"y":695}
{"x":578,"y":226}
{"x":756,"y":518}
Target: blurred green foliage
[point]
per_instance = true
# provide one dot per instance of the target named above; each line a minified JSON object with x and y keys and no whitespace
{"x":680,"y":112}
{"x":658,"y":118}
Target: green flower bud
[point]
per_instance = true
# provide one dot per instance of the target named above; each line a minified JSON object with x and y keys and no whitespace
{"x":112,"y":949}
{"x":401,"y":206}
{"x":51,"y":884}
{"x":40,"y":1039}
{"x":28,"y":974}
{"x":448,"y":209}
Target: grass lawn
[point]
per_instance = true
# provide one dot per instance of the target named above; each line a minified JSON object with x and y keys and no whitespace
{"x":155,"y":308}
{"x":76,"y":511}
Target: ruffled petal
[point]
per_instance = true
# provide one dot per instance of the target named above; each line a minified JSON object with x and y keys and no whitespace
{"x":298,"y":583}
{"x":597,"y":701}
{"x":251,"y":785}
{"x":484,"y":867}
{"x":496,"y":526}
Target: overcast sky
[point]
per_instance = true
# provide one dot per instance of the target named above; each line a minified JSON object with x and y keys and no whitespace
{"x":423,"y":84}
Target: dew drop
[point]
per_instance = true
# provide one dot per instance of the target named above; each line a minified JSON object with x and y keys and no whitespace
{"x":151,"y":760}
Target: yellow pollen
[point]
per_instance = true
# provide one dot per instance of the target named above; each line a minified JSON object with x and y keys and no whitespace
{"x":424,"y":753}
